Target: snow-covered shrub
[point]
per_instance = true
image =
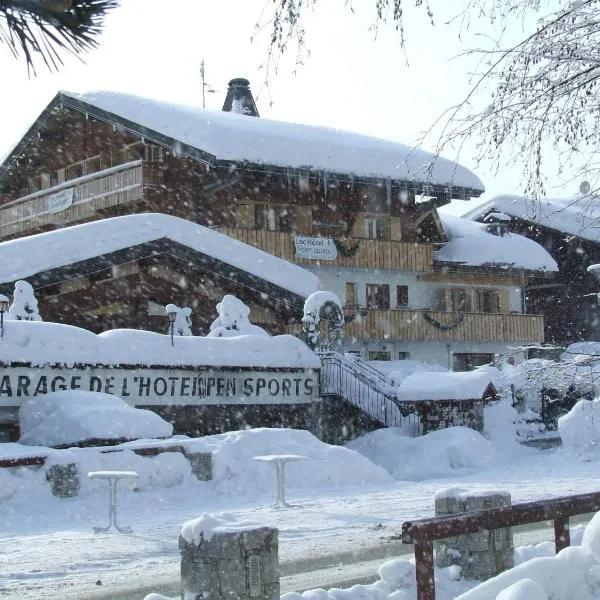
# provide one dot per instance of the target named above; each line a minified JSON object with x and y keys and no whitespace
{"x":580,"y":427}
{"x":73,"y":416}
{"x":233,"y":319}
{"x":24,"y":306}
{"x":318,"y":306}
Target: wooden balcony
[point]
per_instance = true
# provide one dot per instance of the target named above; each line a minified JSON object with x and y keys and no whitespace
{"x":371,"y":254}
{"x":77,"y":199}
{"x":436,"y":326}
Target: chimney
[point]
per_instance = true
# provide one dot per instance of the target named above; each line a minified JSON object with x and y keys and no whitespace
{"x":239,"y":98}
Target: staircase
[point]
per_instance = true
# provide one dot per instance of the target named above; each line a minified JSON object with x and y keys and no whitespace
{"x":355,"y":381}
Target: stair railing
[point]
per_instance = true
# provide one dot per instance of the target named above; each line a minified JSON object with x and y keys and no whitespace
{"x":362,"y":386}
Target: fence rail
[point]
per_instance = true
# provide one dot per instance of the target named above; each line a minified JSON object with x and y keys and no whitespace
{"x":424,"y":532}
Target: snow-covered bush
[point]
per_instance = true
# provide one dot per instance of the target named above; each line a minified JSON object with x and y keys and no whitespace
{"x":318,"y":306}
{"x":233,"y":319}
{"x":24,"y":306}
{"x":73,"y":416}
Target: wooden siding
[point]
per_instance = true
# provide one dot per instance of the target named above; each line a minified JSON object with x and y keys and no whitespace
{"x":115,"y":186}
{"x":371,"y":254}
{"x":412,"y":326}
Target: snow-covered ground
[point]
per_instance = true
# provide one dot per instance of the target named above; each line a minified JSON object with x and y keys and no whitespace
{"x":345,"y":500}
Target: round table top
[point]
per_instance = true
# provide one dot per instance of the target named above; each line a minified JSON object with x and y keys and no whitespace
{"x":279,"y":457}
{"x":112,"y":475}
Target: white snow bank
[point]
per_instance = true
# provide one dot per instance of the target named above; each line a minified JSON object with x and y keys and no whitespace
{"x":397,"y":581}
{"x":579,"y":429}
{"x":233,"y":137}
{"x":443,"y":386}
{"x":449,"y":452}
{"x":54,"y":343}
{"x":526,"y":589}
{"x":72,"y":416}
{"x":500,"y":421}
{"x":24,"y":257}
{"x":470,"y":244}
{"x":572,"y":573}
{"x":235,"y":469}
{"x":207,"y":525}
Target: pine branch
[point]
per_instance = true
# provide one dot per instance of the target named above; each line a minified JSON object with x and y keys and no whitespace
{"x":47,"y":28}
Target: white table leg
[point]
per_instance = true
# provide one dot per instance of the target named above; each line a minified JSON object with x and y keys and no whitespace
{"x":112,"y":510}
{"x":280,"y":466}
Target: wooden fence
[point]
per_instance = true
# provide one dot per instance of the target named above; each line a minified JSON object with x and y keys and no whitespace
{"x":424,"y":532}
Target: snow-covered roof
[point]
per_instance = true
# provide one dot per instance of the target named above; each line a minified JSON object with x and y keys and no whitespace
{"x":41,"y":343}
{"x":470,"y":244}
{"x":443,"y":386}
{"x":234,"y":137}
{"x":24,"y":257}
{"x":577,"y":215}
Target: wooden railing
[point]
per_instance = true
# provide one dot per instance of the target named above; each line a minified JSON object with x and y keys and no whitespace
{"x":75,"y":200}
{"x":429,"y":326}
{"x":371,"y":254}
{"x":422,"y":533}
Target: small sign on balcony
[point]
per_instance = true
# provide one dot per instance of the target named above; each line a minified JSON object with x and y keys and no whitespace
{"x":60,"y":200}
{"x":315,"y":248}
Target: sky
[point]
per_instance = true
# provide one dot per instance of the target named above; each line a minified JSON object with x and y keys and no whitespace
{"x":351,"y":80}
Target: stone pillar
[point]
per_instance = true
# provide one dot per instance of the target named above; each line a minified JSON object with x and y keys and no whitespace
{"x":201,"y":463}
{"x":228,"y":561}
{"x":480,"y":555}
{"x":64,"y":480}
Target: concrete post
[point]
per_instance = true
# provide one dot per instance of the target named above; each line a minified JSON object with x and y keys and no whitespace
{"x":480,"y":555}
{"x":228,"y":561}
{"x":64,"y":480}
{"x":201,"y":464}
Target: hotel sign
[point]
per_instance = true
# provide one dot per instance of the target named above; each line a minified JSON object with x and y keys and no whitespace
{"x":315,"y":248}
{"x":154,"y":387}
{"x":60,"y":200}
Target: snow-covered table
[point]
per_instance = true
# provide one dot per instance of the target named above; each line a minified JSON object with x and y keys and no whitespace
{"x":112,"y":477}
{"x":280,"y":460}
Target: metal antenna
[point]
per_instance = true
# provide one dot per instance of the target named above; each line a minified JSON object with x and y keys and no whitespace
{"x":205,"y":85}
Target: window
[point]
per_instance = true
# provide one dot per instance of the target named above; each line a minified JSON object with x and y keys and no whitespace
{"x":154,"y":153}
{"x":488,"y":301}
{"x":272,"y":217}
{"x":403,"y":355}
{"x":379,"y":355}
{"x":460,"y":300}
{"x":376,"y":228}
{"x":465,"y":361}
{"x":401,"y":296}
{"x":351,"y":296}
{"x":378,"y":296}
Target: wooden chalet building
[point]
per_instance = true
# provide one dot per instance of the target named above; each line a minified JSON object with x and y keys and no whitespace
{"x":568,"y":229}
{"x":359,"y":212}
